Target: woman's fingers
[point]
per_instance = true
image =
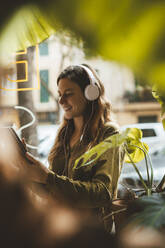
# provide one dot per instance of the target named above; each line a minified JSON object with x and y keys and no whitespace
{"x":37,"y":172}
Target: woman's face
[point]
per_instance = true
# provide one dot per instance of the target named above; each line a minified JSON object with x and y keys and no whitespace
{"x":71,"y":98}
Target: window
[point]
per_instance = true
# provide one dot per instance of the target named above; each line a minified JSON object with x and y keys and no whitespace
{"x":147,"y":119}
{"x":44,"y":94}
{"x":43,"y":48}
{"x":148,"y":132}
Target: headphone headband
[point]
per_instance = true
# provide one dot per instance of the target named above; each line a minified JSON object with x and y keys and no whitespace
{"x":90,"y":74}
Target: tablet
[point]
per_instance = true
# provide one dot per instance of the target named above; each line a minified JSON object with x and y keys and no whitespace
{"x":11,"y":147}
{"x":17,"y":141}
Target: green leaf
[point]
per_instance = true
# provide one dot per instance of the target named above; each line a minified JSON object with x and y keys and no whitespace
{"x":133,"y":144}
{"x":131,"y":137}
{"x":110,"y":142}
{"x":158,"y":94}
{"x":96,"y":151}
{"x":27,"y":27}
{"x":135,"y":134}
{"x":137,"y":154}
{"x":152,"y":211}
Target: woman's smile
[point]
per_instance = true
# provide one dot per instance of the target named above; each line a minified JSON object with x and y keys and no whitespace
{"x":67,"y":108}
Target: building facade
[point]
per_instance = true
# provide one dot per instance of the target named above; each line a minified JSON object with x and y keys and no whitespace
{"x":53,"y":56}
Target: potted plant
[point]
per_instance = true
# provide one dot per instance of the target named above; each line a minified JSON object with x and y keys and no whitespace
{"x":149,"y":209}
{"x":135,"y":151}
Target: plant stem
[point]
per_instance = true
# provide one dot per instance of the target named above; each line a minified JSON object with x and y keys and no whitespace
{"x":114,"y":212}
{"x":151,"y":166}
{"x":161,"y":185}
{"x":147,"y":167}
{"x":149,"y":192}
{"x":141,"y":178}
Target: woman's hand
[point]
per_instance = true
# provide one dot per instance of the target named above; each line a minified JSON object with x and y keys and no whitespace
{"x":35,"y":170}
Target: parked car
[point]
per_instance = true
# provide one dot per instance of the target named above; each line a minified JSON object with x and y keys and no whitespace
{"x":153,"y":135}
{"x":46,"y":136}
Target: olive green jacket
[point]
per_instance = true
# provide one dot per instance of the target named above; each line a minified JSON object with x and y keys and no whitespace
{"x":93,"y":186}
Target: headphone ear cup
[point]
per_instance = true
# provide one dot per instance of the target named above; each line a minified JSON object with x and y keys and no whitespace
{"x":91,"y":92}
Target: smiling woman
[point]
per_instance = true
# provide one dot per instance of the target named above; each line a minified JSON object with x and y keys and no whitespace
{"x":87,"y":122}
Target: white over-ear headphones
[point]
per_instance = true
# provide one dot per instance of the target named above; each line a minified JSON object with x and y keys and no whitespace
{"x":91,"y":91}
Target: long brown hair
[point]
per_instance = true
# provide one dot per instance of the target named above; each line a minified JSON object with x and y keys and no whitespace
{"x":96,"y":115}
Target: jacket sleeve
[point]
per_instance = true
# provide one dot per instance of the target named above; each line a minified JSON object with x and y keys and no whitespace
{"x":97,"y":192}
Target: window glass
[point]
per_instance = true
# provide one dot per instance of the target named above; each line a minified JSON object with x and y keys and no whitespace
{"x":149,"y":132}
{"x":43,"y":48}
{"x":44,"y":78}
